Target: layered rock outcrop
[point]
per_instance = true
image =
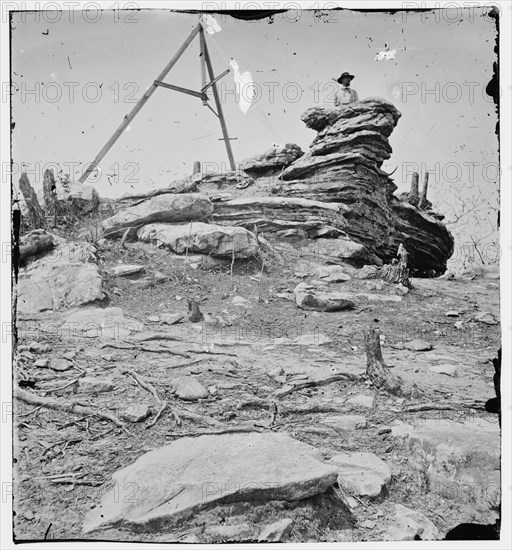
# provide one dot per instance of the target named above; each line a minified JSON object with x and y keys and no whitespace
{"x":343,"y":165}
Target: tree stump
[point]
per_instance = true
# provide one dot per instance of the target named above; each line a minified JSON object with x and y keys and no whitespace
{"x":414,"y":196}
{"x":197,"y":167}
{"x":194,"y":313}
{"x":34,"y":208}
{"x":424,"y":203}
{"x":376,"y":369}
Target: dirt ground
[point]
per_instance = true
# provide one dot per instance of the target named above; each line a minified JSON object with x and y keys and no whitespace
{"x":64,"y":462}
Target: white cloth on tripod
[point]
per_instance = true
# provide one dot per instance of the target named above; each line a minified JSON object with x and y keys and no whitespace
{"x":244,"y":87}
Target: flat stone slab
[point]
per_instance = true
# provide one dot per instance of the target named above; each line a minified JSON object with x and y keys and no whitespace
{"x":166,"y":485}
{"x":409,"y":523}
{"x":205,"y":238}
{"x":167,"y":208}
{"x":126,"y":270}
{"x":311,"y":298}
{"x":104,"y":323}
{"x":418,"y":345}
{"x":60,"y":286}
{"x":475,"y":441}
{"x":347,"y":422}
{"x":449,"y":370}
{"x":361,"y":400}
{"x":463,"y":459}
{"x":362,"y":474}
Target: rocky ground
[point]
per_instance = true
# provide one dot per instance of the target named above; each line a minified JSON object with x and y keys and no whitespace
{"x":275,"y":432}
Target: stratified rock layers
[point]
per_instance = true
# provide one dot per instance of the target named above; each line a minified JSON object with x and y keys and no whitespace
{"x":343,"y":165}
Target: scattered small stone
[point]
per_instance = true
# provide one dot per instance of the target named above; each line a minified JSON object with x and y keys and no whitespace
{"x":38,"y":348}
{"x":42,"y":363}
{"x":146,"y":282}
{"x":239,"y":301}
{"x":283,"y":390}
{"x":418,"y":345}
{"x":226,"y":533}
{"x":69,"y":355}
{"x":368,"y":272}
{"x":486,"y":318}
{"x":275,"y":532}
{"x":136,"y":412}
{"x":347,"y":422}
{"x":109,"y":356}
{"x":126,"y":270}
{"x":368,"y":524}
{"x":188,"y":388}
{"x":89,"y":384}
{"x":361,"y":400}
{"x":172,"y":318}
{"x":275,"y":371}
{"x":452,"y":313}
{"x":229,"y":385}
{"x":409,"y":524}
{"x":213,"y":390}
{"x":29,"y":515}
{"x":363,"y":474}
{"x":384,"y":430}
{"x":351,"y":501}
{"x":449,"y":370}
{"x":59,"y":364}
{"x":159,"y":277}
{"x":154,"y":318}
{"x":178,"y":298}
{"x":280,"y":379}
{"x":333,"y":274}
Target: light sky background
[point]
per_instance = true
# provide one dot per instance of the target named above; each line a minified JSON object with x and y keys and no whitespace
{"x":450,"y":49}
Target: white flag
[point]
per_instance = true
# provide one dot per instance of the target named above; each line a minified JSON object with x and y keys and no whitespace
{"x":245,"y":87}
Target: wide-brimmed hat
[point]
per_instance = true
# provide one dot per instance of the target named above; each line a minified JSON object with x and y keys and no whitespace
{"x":351,"y":76}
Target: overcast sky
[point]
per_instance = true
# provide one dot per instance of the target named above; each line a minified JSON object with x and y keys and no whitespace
{"x":67,"y":58}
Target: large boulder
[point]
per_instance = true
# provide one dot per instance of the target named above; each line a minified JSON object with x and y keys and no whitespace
{"x":37,"y":242}
{"x":272,"y":159}
{"x":343,"y":165}
{"x":168,"y":208}
{"x":65,"y":277}
{"x":193,"y":473}
{"x":202,"y":238}
{"x":81,"y":199}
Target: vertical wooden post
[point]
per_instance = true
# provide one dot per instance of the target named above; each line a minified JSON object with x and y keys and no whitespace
{"x":34,"y":208}
{"x":202,"y":61}
{"x":413,"y":194}
{"x":219,"y":106}
{"x":197,"y":167}
{"x":138,"y":106}
{"x":423,"y":198}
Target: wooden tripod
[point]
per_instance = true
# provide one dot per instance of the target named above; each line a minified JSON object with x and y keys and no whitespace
{"x":206,"y":64}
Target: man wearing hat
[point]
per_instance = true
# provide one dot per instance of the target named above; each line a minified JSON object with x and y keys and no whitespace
{"x":346,"y":94}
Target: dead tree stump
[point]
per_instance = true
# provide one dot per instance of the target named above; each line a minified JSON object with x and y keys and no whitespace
{"x":424,"y":202}
{"x":376,"y":369}
{"x":414,"y":196}
{"x":194,"y":313}
{"x":34,"y":208}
